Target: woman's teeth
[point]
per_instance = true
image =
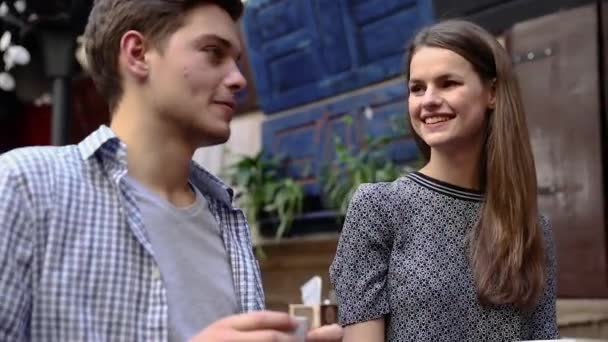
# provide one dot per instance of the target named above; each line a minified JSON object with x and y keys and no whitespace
{"x":436,"y":119}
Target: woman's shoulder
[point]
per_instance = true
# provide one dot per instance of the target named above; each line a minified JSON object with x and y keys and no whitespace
{"x":544,"y":222}
{"x":383,"y":195}
{"x":547,"y":231}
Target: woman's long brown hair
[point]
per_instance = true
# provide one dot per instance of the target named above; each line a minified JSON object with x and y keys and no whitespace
{"x":506,"y":248}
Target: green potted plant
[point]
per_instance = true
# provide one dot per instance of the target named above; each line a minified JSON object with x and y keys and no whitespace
{"x":264,"y":193}
{"x":354,"y":166}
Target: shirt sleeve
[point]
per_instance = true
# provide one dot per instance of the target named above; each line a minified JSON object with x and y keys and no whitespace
{"x":359,"y":269}
{"x":15,"y":256}
{"x":543,"y":323}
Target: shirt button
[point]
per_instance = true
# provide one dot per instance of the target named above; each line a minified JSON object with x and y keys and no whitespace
{"x":155,"y":273}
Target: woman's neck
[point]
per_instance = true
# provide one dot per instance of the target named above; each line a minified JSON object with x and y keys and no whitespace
{"x":461,"y":168}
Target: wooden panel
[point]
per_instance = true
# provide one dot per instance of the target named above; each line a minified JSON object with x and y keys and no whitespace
{"x":305,"y":50}
{"x":583,"y":318}
{"x":499,"y":15}
{"x":558,"y":70}
{"x":603,"y":5}
{"x":306,"y":137}
{"x":289,"y":264}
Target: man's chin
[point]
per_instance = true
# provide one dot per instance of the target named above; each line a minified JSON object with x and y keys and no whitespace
{"x":215,"y":139}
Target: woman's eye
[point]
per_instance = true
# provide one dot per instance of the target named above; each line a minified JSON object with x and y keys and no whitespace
{"x":450,"y":83}
{"x":416,"y":89}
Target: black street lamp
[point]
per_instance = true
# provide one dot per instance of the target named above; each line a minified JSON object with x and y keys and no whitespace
{"x":58,"y":48}
{"x":55,"y":24}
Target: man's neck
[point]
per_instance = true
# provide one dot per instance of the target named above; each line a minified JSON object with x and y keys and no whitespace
{"x":157,"y":156}
{"x":460,"y":167}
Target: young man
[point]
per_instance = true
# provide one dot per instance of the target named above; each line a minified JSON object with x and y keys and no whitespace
{"x":122,"y":237}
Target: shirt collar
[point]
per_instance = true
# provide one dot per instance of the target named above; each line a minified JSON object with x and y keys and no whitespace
{"x":104,"y":143}
{"x":100,"y":138}
{"x":208,"y":183}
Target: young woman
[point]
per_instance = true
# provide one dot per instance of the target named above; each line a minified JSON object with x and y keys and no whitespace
{"x":456,"y":251}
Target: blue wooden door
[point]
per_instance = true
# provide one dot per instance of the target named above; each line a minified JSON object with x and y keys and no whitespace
{"x":302,"y":51}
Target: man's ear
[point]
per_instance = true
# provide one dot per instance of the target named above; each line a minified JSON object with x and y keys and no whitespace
{"x":133,"y":48}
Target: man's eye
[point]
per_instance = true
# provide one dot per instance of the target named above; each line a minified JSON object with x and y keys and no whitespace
{"x":216,"y":52}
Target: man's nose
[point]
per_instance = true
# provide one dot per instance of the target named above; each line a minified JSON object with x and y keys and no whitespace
{"x":235,"y":80}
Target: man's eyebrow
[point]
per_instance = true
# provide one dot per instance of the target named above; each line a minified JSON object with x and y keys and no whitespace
{"x":222,"y":41}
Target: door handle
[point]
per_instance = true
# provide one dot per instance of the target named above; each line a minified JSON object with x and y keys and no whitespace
{"x":548,"y":190}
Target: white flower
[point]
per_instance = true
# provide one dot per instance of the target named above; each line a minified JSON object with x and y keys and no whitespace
{"x":3,"y":9}
{"x":20,"y":6}
{"x":18,"y":55}
{"x":7,"y":82}
{"x":8,"y":61}
{"x":5,"y":41}
{"x":15,"y":55}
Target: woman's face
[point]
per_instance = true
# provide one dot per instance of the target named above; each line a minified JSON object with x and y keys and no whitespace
{"x":447,"y":100}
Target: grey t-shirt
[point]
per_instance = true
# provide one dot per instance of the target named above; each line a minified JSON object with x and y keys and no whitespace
{"x":402,"y":255}
{"x":194,"y":265}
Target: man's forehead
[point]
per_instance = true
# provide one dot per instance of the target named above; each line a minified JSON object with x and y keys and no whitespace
{"x":211,"y":16}
{"x":210,"y":21}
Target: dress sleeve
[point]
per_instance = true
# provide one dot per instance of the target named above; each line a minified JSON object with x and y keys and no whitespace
{"x":543,"y":325}
{"x":359,"y":270}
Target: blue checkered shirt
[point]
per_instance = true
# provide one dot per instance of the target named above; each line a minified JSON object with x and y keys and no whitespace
{"x":75,"y":261}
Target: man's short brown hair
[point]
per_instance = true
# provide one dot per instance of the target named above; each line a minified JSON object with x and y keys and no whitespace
{"x":155,"y":19}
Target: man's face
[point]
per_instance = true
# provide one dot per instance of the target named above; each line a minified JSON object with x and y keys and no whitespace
{"x":193,"y":80}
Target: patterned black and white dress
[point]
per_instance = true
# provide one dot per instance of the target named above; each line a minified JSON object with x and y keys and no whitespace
{"x":402,"y":255}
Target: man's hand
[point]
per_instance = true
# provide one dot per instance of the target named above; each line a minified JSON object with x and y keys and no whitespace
{"x":263,"y":326}
{"x":328,"y":333}
{"x":250,"y":327}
